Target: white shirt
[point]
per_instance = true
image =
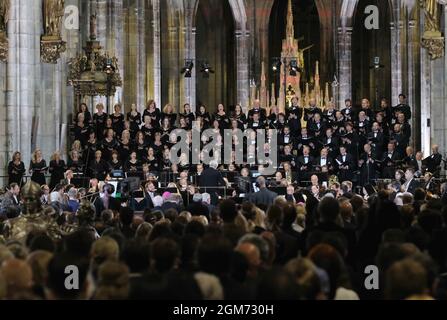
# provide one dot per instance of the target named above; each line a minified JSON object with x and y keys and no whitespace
{"x":323,"y":161}
{"x":407,"y":184}
{"x":306,"y":159}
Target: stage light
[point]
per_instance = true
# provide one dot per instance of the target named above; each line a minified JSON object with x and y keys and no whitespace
{"x":187,"y":69}
{"x":206,"y":70}
{"x":293,"y":68}
{"x":276,"y":66}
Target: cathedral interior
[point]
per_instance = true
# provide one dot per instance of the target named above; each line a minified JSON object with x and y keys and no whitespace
{"x":150,"y":42}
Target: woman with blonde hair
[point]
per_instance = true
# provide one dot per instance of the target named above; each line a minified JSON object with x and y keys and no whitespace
{"x":75,"y":163}
{"x":168,"y":112}
{"x":76,"y":146}
{"x":38,"y":168}
{"x":16,"y":169}
{"x":57,"y":169}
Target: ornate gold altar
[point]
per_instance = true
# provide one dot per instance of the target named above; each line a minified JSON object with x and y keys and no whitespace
{"x":290,"y":84}
{"x":94,"y":72}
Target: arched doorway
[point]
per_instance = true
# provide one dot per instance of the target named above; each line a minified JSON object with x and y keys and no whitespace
{"x":215,"y":43}
{"x":307,"y":30}
{"x":369,"y":81}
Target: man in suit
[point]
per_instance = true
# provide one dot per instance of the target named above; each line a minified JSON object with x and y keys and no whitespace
{"x":411,"y":184}
{"x":305,"y":163}
{"x":149,"y":194}
{"x":433,"y":162}
{"x":210,"y":179}
{"x":263,"y":196}
{"x":312,"y":110}
{"x":348,"y":112}
{"x":345,"y":164}
{"x":324,"y":160}
{"x":410,"y":159}
{"x":330,"y":142}
{"x":389,"y":160}
{"x":293,"y":115}
{"x":367,"y":165}
{"x":15,"y":193}
{"x":285,"y":138}
{"x":259,"y":110}
{"x":317,"y":127}
{"x":402,"y":107}
{"x":376,"y":140}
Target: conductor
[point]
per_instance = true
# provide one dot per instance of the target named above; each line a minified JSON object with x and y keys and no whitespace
{"x":210,"y":179}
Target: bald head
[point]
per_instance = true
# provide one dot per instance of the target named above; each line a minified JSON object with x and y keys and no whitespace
{"x":261,"y":182}
{"x":252,"y":254}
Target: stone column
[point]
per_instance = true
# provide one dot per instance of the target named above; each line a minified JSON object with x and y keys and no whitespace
{"x":242,"y":67}
{"x":141,"y":57}
{"x":345,"y":65}
{"x":100,"y":8}
{"x":190,"y":53}
{"x":24,"y":56}
{"x":412,"y":73}
{"x":396,"y":63}
{"x":425,"y":96}
{"x":157,"y":51}
{"x":115,"y":42}
{"x":173,"y":70}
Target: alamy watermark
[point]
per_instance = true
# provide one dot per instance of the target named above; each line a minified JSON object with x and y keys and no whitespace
{"x":72,"y":278}
{"x":71,"y":21}
{"x":261,"y":147}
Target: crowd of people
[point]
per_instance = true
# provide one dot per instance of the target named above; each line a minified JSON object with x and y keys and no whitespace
{"x":348,"y":192}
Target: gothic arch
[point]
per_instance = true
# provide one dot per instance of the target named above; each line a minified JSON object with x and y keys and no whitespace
{"x":238,"y":11}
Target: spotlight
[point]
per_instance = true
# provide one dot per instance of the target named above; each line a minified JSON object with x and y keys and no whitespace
{"x":293,"y":68}
{"x":206,"y":70}
{"x":276,"y":64}
{"x":187,"y":69}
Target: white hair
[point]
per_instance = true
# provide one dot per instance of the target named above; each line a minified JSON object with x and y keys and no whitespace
{"x":55,"y":197}
{"x":197,"y":197}
{"x":72,"y":193}
{"x":206,"y":197}
{"x":214,"y":164}
{"x":157,"y":201}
